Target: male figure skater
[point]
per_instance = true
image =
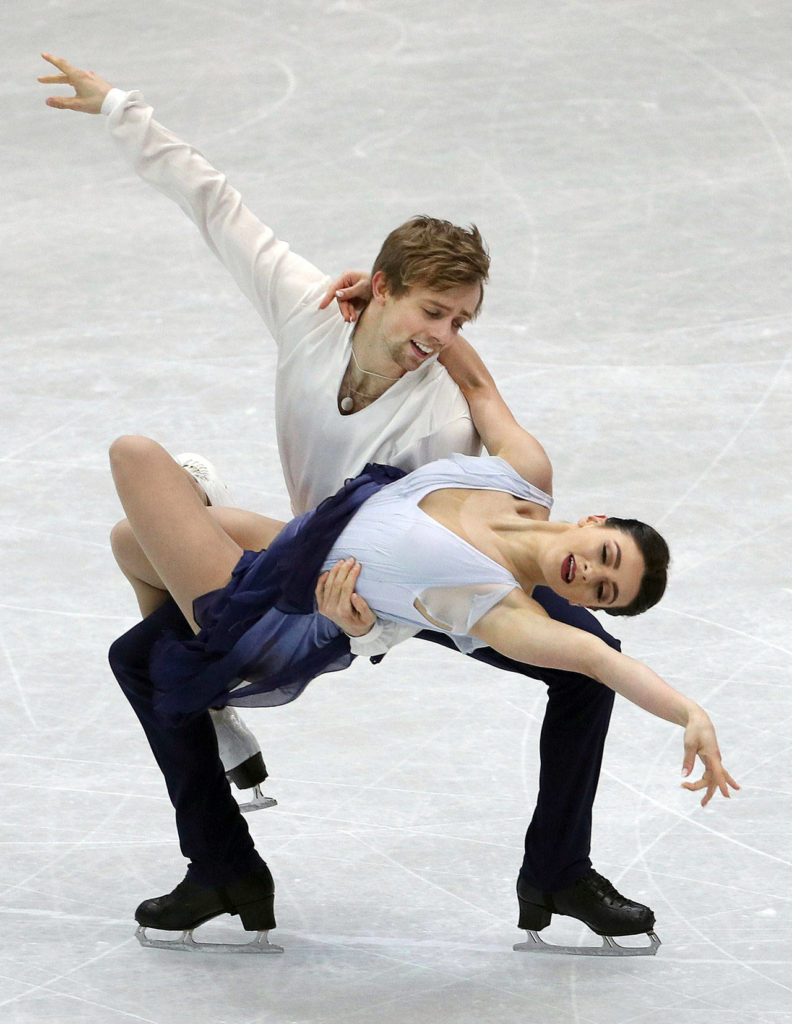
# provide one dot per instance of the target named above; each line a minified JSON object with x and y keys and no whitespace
{"x":348,"y":394}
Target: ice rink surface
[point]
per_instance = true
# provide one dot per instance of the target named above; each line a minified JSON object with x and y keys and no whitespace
{"x":630,"y":164}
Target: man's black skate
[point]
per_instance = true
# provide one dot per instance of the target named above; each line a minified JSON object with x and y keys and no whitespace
{"x":594,"y":901}
{"x":191,"y":905}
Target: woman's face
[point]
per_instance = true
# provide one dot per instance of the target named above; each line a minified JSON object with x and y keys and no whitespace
{"x":594,"y":565}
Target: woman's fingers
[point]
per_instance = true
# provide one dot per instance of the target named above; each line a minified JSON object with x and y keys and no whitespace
{"x":715,"y":778}
{"x":352,"y":291}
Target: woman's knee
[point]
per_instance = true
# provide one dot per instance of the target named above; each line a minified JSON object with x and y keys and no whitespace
{"x":130,"y":455}
{"x":121,"y":538}
{"x":132,"y":448}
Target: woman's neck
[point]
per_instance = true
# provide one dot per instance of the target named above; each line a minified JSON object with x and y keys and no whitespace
{"x":524,"y":545}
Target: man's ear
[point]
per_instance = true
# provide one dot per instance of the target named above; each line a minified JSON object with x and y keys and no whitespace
{"x":592,"y":521}
{"x":379,"y":287}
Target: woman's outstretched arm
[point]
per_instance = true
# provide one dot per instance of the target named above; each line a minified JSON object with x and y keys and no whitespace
{"x":517,"y":629}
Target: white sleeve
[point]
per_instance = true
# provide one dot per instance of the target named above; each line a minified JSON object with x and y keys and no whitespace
{"x":383,"y":635}
{"x":276,"y":280}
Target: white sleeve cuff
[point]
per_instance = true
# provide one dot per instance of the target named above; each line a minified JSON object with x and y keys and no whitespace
{"x":380,"y":638}
{"x":113,"y":100}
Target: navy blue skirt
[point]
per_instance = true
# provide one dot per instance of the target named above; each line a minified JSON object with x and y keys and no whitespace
{"x":261,"y":639}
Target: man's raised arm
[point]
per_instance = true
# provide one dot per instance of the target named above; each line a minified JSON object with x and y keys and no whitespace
{"x":273,"y":278}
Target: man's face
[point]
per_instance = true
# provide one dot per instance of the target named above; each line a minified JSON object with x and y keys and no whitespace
{"x":419,"y":324}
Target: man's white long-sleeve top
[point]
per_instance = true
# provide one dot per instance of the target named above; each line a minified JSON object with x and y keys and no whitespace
{"x":421,"y":417}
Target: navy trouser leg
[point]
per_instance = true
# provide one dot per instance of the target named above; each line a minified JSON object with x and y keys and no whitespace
{"x":213,"y":834}
{"x":558,"y":840}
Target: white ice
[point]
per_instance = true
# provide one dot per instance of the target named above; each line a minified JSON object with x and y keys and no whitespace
{"x":629,"y":162}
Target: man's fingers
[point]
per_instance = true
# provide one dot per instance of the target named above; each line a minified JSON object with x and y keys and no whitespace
{"x":59,"y":63}
{"x":65,"y":103}
{"x":340,"y":578}
{"x":345,"y":576}
{"x":53,"y":79}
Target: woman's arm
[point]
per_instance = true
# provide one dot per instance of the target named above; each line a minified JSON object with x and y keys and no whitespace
{"x":352,"y":292}
{"x":500,"y":432}
{"x":518,"y":628}
{"x":498,"y":429}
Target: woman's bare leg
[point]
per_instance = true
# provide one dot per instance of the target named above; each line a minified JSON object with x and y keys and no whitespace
{"x":187,"y":550}
{"x":148,"y":587}
{"x":248,"y":529}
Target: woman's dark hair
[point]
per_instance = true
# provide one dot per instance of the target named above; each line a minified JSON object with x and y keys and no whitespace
{"x":656,"y":557}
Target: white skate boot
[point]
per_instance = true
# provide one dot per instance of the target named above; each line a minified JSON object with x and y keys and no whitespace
{"x":241,"y":756}
{"x":202,"y":470}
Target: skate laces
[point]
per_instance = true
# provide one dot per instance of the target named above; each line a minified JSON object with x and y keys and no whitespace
{"x":600,"y":885}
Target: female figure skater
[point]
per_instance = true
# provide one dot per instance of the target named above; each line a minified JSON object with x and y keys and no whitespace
{"x":261,"y":607}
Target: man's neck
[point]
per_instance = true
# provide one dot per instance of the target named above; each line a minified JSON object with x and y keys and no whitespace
{"x":371,"y":358}
{"x":363,"y":383}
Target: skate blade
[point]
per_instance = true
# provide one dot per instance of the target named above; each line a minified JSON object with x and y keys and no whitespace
{"x":187,"y":944}
{"x":258,"y":803}
{"x":609,"y":947}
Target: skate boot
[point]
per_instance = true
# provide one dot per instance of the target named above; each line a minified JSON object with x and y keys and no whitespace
{"x":191,"y":905}
{"x":202,"y":470}
{"x":594,"y":901}
{"x":241,"y":757}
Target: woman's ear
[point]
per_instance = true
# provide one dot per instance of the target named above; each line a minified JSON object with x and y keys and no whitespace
{"x":592,"y":521}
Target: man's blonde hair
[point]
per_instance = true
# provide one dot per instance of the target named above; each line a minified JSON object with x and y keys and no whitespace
{"x":434,"y":253}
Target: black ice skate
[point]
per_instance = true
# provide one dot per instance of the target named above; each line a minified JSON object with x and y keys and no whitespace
{"x":241,"y":756}
{"x":191,"y":905}
{"x":595,"y":902}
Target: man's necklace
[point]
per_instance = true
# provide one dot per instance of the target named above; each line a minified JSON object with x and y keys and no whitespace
{"x":347,"y":402}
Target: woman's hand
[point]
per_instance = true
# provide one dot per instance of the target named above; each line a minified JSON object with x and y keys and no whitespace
{"x":336,"y":599}
{"x":90,"y":90}
{"x":701,"y":741}
{"x":352,"y":291}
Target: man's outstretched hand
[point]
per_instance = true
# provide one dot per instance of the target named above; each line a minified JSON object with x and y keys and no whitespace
{"x":90,"y":90}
